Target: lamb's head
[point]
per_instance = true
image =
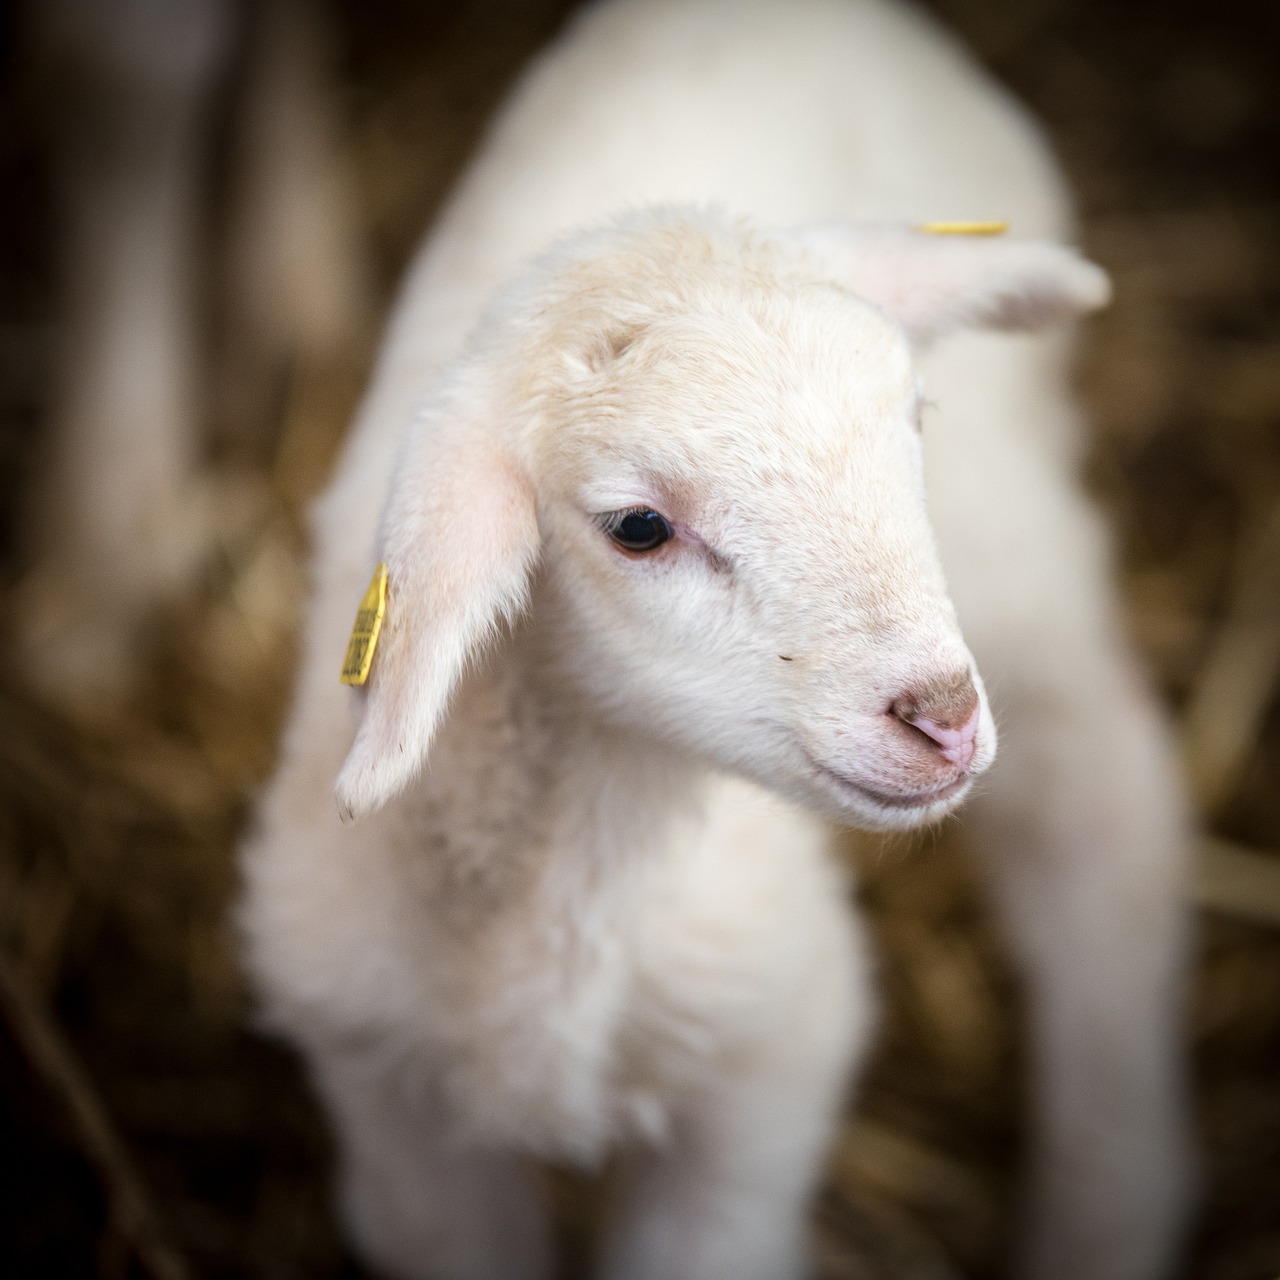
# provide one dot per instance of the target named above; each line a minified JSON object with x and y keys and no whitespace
{"x":705,"y":442}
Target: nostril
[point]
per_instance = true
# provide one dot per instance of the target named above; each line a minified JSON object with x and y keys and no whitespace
{"x":956,"y":744}
{"x":949,"y":717}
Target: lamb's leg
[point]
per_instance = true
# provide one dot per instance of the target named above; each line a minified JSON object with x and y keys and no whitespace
{"x":725,"y":1197}
{"x":1082,"y":827}
{"x":417,"y":1205}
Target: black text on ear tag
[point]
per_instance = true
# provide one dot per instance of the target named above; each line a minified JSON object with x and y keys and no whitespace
{"x":364,"y":634}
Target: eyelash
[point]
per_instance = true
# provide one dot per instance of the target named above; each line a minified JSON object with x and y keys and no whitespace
{"x":610,"y":520}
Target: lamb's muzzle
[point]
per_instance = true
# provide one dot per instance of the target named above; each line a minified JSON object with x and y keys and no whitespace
{"x":948,"y":715}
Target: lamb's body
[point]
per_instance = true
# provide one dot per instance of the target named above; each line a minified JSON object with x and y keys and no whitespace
{"x":566,"y":936}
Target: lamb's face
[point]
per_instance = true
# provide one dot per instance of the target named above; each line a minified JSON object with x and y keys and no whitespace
{"x":715,"y":457}
{"x":738,"y":555}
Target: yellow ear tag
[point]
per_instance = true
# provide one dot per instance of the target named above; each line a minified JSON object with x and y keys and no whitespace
{"x":965,"y":228}
{"x":368,"y":626}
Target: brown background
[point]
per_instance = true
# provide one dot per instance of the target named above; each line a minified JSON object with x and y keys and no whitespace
{"x":116,"y":836}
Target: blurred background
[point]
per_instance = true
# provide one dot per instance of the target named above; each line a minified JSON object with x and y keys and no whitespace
{"x":201,"y":229}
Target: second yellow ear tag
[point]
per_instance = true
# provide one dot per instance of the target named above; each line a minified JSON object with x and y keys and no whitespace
{"x":365,"y":632}
{"x":965,"y":228}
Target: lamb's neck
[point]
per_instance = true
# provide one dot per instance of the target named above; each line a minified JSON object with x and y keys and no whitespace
{"x":526,"y":784}
{"x":619,"y":795}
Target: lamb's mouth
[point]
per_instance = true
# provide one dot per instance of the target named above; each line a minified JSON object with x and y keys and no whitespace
{"x":896,"y":800}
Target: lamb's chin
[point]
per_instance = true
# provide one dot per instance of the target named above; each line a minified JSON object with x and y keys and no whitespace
{"x":858,"y":805}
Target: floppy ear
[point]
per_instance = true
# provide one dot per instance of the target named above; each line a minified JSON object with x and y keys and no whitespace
{"x":460,"y":538}
{"x":935,"y":284}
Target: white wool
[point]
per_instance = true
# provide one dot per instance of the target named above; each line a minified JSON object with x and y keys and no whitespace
{"x":585,"y":908}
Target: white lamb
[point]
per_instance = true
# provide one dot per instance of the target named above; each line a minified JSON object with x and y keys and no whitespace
{"x":661,"y":585}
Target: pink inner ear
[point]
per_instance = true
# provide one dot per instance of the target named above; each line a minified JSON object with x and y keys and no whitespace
{"x":474,"y":520}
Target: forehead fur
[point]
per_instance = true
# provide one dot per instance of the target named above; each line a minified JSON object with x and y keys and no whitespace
{"x":682,"y":344}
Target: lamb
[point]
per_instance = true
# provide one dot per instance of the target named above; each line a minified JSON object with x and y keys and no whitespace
{"x":663,"y":600}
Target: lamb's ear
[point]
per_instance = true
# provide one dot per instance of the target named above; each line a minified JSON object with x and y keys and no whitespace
{"x":460,"y":539}
{"x":935,"y":284}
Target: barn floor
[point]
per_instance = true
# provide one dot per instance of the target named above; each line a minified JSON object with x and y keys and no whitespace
{"x":144,"y":1125}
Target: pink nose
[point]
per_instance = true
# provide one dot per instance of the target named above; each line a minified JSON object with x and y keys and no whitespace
{"x":948,"y":716}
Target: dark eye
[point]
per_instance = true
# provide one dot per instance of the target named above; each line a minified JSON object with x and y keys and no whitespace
{"x":639,"y":529}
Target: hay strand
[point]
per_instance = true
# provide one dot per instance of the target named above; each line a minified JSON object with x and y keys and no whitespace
{"x":133,"y":1216}
{"x":1237,"y":881}
{"x":1235,"y":686}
